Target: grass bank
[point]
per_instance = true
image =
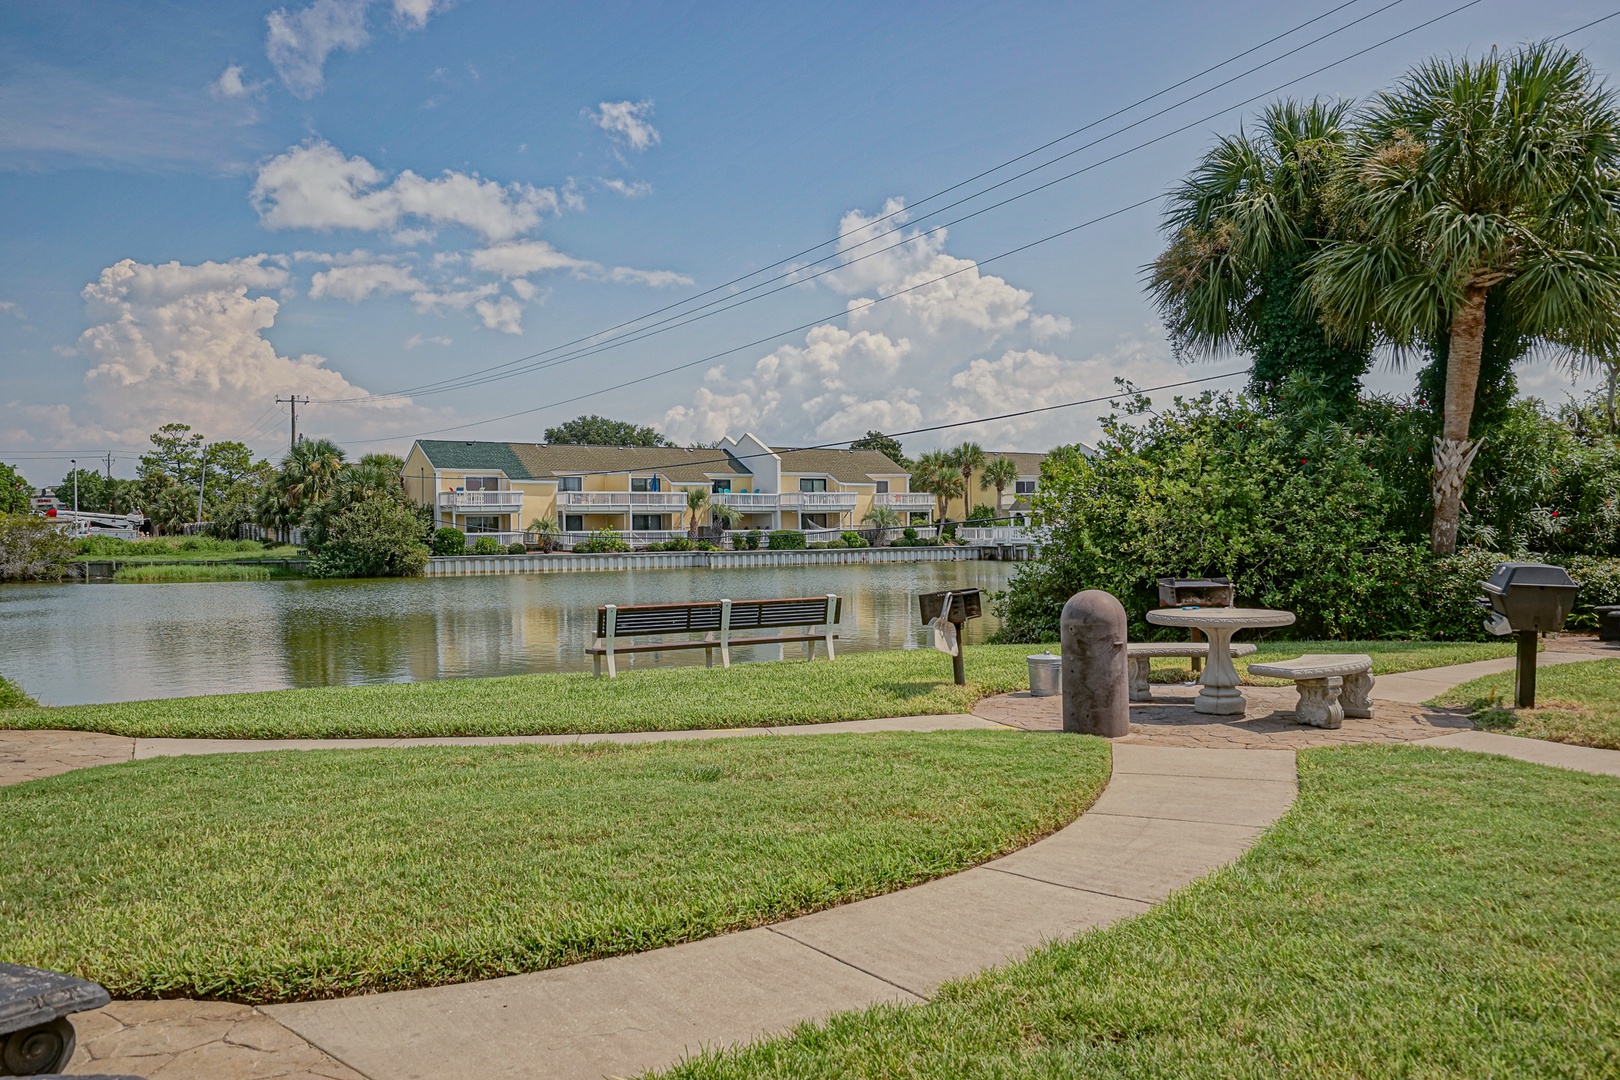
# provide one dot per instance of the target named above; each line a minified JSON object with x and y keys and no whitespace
{"x":158,"y":573}
{"x":178,"y":549}
{"x":857,"y":686}
{"x":276,"y":877}
{"x":12,"y":696}
{"x":1575,"y":703}
{"x":1417,"y":913}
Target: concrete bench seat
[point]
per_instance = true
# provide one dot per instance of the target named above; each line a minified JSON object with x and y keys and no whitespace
{"x":1140,"y":654}
{"x":1331,"y":686}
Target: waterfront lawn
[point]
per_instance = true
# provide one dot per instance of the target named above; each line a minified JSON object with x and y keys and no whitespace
{"x":1575,"y":703}
{"x":291,"y":875}
{"x":166,"y":573}
{"x":856,"y":686}
{"x":1417,"y":913}
{"x":179,"y":549}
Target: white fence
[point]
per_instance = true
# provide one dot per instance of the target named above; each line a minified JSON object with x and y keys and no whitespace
{"x":564,"y":562}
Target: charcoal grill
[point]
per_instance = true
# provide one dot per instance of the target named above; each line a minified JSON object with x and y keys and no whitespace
{"x":1527,"y":599}
{"x":1195,"y":592}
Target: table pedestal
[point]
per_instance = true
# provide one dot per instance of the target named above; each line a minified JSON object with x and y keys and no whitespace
{"x":1220,"y":695}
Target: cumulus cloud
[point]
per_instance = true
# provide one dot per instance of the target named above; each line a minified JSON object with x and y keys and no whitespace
{"x":521,"y":257}
{"x":1047,"y":327}
{"x":453,"y":299}
{"x":629,"y":122}
{"x":526,"y":290}
{"x":298,"y":42}
{"x":188,"y":340}
{"x":314,"y":186}
{"x":504,"y":314}
{"x":414,"y":13}
{"x":629,"y":189}
{"x":356,"y":282}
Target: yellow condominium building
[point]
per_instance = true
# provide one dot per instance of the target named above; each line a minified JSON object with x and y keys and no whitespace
{"x":498,"y":489}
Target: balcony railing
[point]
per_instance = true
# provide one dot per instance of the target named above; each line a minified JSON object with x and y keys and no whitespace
{"x":747,"y":500}
{"x":913,"y":501}
{"x":996,"y":534}
{"x":481,"y":500}
{"x":637,"y":539}
{"x":663,"y":500}
{"x":818,"y":500}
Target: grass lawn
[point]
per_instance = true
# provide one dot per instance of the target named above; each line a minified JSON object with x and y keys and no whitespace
{"x":284,"y":876}
{"x":857,"y":686}
{"x":1417,"y":913}
{"x":157,"y":573}
{"x":1575,"y":703}
{"x":179,"y":549}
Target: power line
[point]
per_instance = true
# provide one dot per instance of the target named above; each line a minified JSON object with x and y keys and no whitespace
{"x":446,"y":384}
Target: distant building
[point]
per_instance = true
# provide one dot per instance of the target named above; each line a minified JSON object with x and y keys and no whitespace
{"x":498,"y":488}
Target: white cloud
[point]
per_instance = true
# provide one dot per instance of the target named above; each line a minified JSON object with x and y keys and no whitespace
{"x":11,"y":307}
{"x":1047,"y":327}
{"x":657,"y":279}
{"x":629,"y":189}
{"x":504,"y":314}
{"x":412,"y":237}
{"x":187,"y":341}
{"x":298,"y":43}
{"x":230,"y":83}
{"x":314,"y":186}
{"x":355,"y":283}
{"x":520,"y":257}
{"x":454,"y":299}
{"x":627,"y":121}
{"x":414,"y":13}
{"x":417,"y":340}
{"x":525,"y":289}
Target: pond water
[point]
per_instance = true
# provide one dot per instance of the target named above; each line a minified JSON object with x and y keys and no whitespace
{"x":79,"y":644}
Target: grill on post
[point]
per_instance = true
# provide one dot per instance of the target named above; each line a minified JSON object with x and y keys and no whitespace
{"x":1527,"y":599}
{"x":1195,"y":592}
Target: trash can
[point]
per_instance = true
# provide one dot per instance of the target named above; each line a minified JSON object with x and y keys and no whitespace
{"x":1045,"y":674}
{"x":1608,"y":622}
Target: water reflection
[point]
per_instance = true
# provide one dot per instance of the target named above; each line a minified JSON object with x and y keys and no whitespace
{"x":72,"y":644}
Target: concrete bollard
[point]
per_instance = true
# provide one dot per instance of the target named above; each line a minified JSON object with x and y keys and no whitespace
{"x":1096,"y":679}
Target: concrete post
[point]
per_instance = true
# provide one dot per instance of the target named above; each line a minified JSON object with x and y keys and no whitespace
{"x":1096,"y":681}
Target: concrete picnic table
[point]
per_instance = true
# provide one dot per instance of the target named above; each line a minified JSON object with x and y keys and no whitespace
{"x":1220,"y":695}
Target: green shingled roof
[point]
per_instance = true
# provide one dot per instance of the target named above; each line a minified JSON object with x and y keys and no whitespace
{"x":474,"y":456}
{"x":542,"y":461}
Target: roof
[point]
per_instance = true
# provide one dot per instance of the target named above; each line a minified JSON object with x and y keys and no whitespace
{"x":845,"y":466}
{"x":545,"y":461}
{"x":1028,"y":464}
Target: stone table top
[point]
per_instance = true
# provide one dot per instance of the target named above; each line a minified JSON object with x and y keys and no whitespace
{"x":1236,"y":617}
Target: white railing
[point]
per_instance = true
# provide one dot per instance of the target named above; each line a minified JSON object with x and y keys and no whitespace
{"x":505,"y":539}
{"x":640,"y":538}
{"x":668,"y":500}
{"x":915,"y":501}
{"x":995,"y":534}
{"x":747,"y":500}
{"x":818,"y":500}
{"x":480,"y":500}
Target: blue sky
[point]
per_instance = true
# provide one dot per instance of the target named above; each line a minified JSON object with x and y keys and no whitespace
{"x":206,"y":206}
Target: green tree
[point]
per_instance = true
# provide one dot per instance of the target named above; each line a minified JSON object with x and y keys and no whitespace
{"x":15,"y":492}
{"x":174,"y":458}
{"x":229,"y":462}
{"x":378,"y":536}
{"x":1473,"y":176}
{"x":1242,"y":225}
{"x":934,"y":473}
{"x":596,"y":430}
{"x":886,"y":445}
{"x":94,"y":490}
{"x":965,"y":459}
{"x":723,"y":516}
{"x":375,"y":476}
{"x":884,"y":519}
{"x":1000,"y":474}
{"x":32,"y":548}
{"x":697,"y":500}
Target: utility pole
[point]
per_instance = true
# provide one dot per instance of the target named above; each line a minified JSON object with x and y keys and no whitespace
{"x":201,"y":480}
{"x":109,"y":464}
{"x":75,"y":463}
{"x":294,"y":401}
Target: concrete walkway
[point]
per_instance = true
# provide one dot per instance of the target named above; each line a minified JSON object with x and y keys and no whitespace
{"x":1167,"y":817}
{"x":1562,"y":755}
{"x":1415,"y":687}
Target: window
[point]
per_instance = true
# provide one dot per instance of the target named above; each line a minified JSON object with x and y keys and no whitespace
{"x":574,"y":522}
{"x":721,"y":487}
{"x":1023,"y":487}
{"x":882,"y":487}
{"x":483,"y":483}
{"x":483,"y":524}
{"x":806,"y":484}
{"x":644,"y":483}
{"x":646,"y":522}
{"x":570,"y":483}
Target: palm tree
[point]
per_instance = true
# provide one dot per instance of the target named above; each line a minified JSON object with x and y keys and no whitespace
{"x":884,"y":519}
{"x":545,"y":530}
{"x":965,"y":459}
{"x":934,"y":473}
{"x":1242,"y":224}
{"x":696,"y":500}
{"x":999,"y":474}
{"x":309,"y":473}
{"x":1473,"y":179}
{"x":723,"y":516}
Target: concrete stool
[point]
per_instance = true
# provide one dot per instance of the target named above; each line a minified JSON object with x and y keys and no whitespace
{"x":1331,"y":686}
{"x":1141,"y":654}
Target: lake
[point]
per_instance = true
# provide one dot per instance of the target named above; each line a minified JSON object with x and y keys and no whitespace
{"x":76,"y":644}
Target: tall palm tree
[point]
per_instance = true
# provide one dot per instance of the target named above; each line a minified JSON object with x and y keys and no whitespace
{"x":965,"y":459}
{"x":1242,"y":224}
{"x":309,"y":472}
{"x":1469,"y":179}
{"x":999,"y":474}
{"x":696,"y":500}
{"x":934,"y":473}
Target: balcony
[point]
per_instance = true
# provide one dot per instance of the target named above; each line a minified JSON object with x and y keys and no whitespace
{"x":815,"y":502}
{"x":916,"y":502}
{"x":662,"y":501}
{"x":747,"y":500}
{"x":475,"y":502}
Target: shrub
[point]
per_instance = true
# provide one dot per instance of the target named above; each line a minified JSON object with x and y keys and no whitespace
{"x":948,"y":531}
{"x":374,"y":537}
{"x":602,"y":541}
{"x":820,"y":545}
{"x":517,"y":547}
{"x":787,"y":540}
{"x":448,"y":541}
{"x":706,"y":545}
{"x":752,"y":539}
{"x":910,"y":534}
{"x":981,"y":515}
{"x":12,"y":696}
{"x":853,"y":539}
{"x":487,"y":545}
{"x":32,"y":549}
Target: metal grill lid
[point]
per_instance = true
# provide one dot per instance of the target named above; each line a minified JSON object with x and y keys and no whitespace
{"x":1511,"y":574}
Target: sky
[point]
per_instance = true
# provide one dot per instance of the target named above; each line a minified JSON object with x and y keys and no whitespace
{"x":442,"y":218}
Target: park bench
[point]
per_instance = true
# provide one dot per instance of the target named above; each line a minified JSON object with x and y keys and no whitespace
{"x":718,"y":621}
{"x":1331,"y":686}
{"x":1140,"y":654}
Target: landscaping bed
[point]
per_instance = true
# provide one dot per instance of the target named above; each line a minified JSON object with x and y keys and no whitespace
{"x":293,"y":875}
{"x":856,"y":686}
{"x":1575,"y":703}
{"x":1417,"y":913}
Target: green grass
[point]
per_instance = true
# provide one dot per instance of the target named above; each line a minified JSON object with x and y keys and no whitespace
{"x":857,"y":686}
{"x":1418,"y":913}
{"x":1575,"y":703}
{"x":153,"y":573}
{"x":179,"y":549}
{"x":12,"y":696}
{"x":282,"y":876}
